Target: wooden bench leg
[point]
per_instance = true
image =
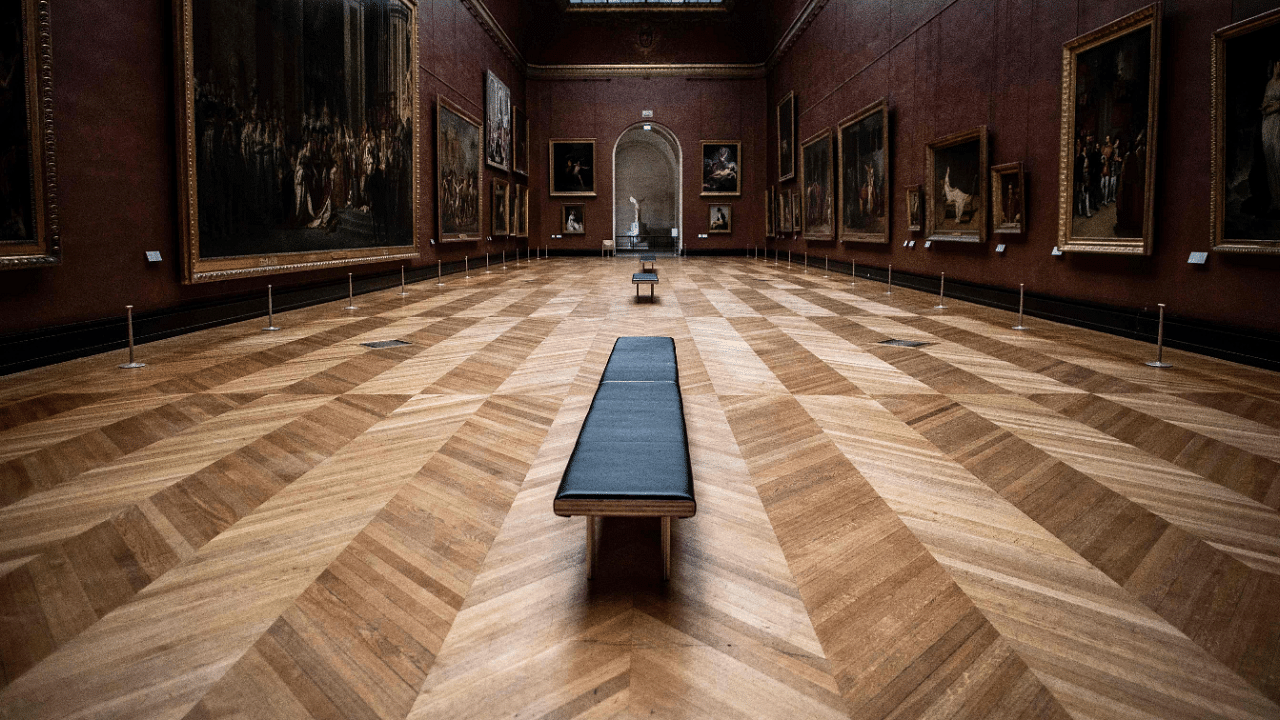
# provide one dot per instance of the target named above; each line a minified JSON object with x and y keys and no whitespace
{"x":666,"y":548}
{"x":591,"y":546}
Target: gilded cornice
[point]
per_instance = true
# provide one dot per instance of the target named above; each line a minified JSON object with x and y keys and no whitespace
{"x":793,"y":33}
{"x":494,"y":30}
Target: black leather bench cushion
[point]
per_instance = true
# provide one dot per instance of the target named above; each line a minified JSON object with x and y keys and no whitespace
{"x":644,"y":277}
{"x":648,"y":258}
{"x":635,"y":412}
{"x":642,"y":358}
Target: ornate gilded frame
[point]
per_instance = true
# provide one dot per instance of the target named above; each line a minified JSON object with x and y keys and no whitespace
{"x":1147,"y":17}
{"x":728,"y":230}
{"x":916,"y":193}
{"x":444,"y":103}
{"x":1000,"y":224}
{"x":551,"y":168}
{"x":932,"y":222}
{"x":769,"y":207}
{"x":505,"y":207}
{"x":520,"y":198}
{"x":880,"y":107}
{"x":564,"y":210}
{"x":797,"y":210}
{"x":1217,"y":201}
{"x":497,"y":97}
{"x":806,"y":232}
{"x":196,"y":269}
{"x":37,"y":55}
{"x":703,"y":158}
{"x":788,"y":170}
{"x":519,"y":126}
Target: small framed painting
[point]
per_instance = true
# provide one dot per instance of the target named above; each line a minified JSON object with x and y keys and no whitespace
{"x":769,"y":205}
{"x":1008,"y":206}
{"x":501,"y":214}
{"x":520,"y":211}
{"x":796,"y":209}
{"x":720,"y":221}
{"x":572,"y":167}
{"x":572,"y":221}
{"x":956,"y":166}
{"x":915,"y":208}
{"x":720,"y":160}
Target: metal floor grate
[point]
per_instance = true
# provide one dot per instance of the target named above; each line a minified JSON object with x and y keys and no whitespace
{"x":904,"y":343}
{"x":383,"y":344}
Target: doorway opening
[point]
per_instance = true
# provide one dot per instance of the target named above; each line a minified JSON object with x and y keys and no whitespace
{"x":648,"y":213}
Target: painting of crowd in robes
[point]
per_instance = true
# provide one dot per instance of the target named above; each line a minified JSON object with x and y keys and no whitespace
{"x":1108,"y":126}
{"x":864,"y":175}
{"x":303,"y":126}
{"x":25,"y":168}
{"x":720,"y":173}
{"x":459,"y":168}
{"x":1246,"y":113}
{"x":956,"y":166}
{"x":497,"y":122}
{"x":817,"y":187}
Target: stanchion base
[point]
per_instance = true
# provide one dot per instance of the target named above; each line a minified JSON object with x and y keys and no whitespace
{"x":403,"y":294}
{"x":939,"y":307}
{"x":273,"y":328}
{"x":132,"y":366}
{"x":1019,"y":327}
{"x":1153,"y":363}
{"x":351,"y":307}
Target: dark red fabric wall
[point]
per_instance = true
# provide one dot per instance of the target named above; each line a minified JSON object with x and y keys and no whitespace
{"x":114,"y":118}
{"x":693,"y":109}
{"x":950,"y":65}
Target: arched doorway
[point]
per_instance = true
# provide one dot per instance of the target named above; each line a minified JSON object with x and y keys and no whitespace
{"x":647,"y":168}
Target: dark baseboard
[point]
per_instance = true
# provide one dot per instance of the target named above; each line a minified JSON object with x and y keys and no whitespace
{"x":22,"y":351}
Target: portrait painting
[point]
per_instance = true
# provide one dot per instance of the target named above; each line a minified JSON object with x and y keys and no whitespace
{"x":720,"y":219}
{"x":783,"y":211}
{"x":1008,"y":203}
{"x":720,"y":171}
{"x":520,"y":141}
{"x":788,"y":211}
{"x":282,"y":167}
{"x":817,"y":188}
{"x":1245,"y":189}
{"x":501,"y":208}
{"x":864,"y":175}
{"x":572,"y":167}
{"x":459,"y":173}
{"x":787,"y":137}
{"x":796,"y":207}
{"x":956,"y":196}
{"x":520,"y":211}
{"x":915,"y":208}
{"x":1107,"y":157}
{"x":572,"y":221}
{"x":497,"y":122}
{"x":28,"y":215}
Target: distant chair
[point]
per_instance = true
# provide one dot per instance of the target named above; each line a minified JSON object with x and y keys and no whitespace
{"x":606,"y":248}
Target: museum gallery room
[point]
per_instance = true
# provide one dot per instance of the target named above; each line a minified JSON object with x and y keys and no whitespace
{"x":750,"y":359}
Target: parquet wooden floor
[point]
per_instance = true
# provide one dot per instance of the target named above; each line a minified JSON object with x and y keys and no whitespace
{"x":997,"y":524}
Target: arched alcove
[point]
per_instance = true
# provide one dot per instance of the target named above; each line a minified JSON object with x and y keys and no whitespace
{"x":646,"y":166}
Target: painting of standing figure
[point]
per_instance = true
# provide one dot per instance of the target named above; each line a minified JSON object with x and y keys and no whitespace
{"x":956,"y":195}
{"x":864,"y":175}
{"x":817,"y":188}
{"x":787,"y":137}
{"x":298,"y":124}
{"x":1008,"y":203}
{"x":1107,"y":152}
{"x":1245,"y":189}
{"x":459,"y":169}
{"x":497,"y":122}
{"x":28,"y":216}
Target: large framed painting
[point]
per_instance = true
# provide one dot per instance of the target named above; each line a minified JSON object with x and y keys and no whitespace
{"x":817,"y":188}
{"x":29,"y":221}
{"x":1107,"y":152}
{"x":864,"y":175}
{"x":572,"y":220}
{"x":572,"y":167}
{"x":1008,"y":199}
{"x":519,"y":141}
{"x":915,"y":208}
{"x":720,"y":219}
{"x":497,"y":122}
{"x":520,"y":211}
{"x":459,"y":173}
{"x":501,"y":207}
{"x":1245,"y":190}
{"x":297,"y":149}
{"x":956,"y":196}
{"x":720,"y":164}
{"x":787,"y":137}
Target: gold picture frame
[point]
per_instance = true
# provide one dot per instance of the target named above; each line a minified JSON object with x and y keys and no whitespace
{"x":864,"y":175}
{"x":1235,"y":212}
{"x":573,"y":219}
{"x":786,"y":115}
{"x":769,"y":206}
{"x":221,"y":255}
{"x":817,"y":187}
{"x":914,"y":198}
{"x":720,"y":219}
{"x":1008,"y":199}
{"x":966,"y":153}
{"x":721,"y":168}
{"x":520,"y":211}
{"x":501,"y":208}
{"x":571,"y":166}
{"x":38,"y":244}
{"x":458,"y":134}
{"x":1125,"y":226}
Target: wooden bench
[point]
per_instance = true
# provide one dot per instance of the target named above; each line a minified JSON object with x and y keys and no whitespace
{"x":642,"y":278}
{"x":632,"y":455}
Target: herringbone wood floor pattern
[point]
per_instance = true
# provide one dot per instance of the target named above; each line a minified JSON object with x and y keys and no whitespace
{"x":291,"y":525}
